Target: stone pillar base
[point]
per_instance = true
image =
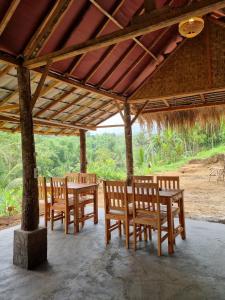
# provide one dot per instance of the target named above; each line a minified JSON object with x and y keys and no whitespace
{"x":30,"y":248}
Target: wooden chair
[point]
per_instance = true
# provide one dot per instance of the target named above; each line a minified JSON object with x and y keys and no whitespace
{"x":116,"y":209}
{"x":73,"y":177}
{"x":44,"y":204}
{"x":168,"y":182}
{"x":143,"y":179}
{"x":61,"y":203}
{"x":87,"y":199}
{"x":147,"y":211}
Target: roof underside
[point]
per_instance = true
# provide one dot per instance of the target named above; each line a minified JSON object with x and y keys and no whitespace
{"x":80,"y":92}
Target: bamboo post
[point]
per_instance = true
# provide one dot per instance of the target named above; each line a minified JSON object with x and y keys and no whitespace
{"x":83,"y":158}
{"x":128,"y":141}
{"x":30,"y":208}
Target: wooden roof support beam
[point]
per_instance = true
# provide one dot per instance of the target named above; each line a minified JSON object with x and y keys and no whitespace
{"x":110,"y":126}
{"x":9,"y":107}
{"x":93,"y":112}
{"x":74,"y":66}
{"x":166,"y":102}
{"x":54,"y":102}
{"x":202,"y":96}
{"x":16,"y":118}
{"x":8,"y":15}
{"x":5,"y":71}
{"x":119,"y":110}
{"x":121,"y":27}
{"x":181,"y":107}
{"x":68,"y":105}
{"x":153,"y":21}
{"x":138,"y":60}
{"x":40,"y":85}
{"x":47,"y":27}
{"x":139,"y":112}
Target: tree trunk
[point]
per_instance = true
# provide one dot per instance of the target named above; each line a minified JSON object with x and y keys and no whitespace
{"x":83,"y":159}
{"x":128,"y":140}
{"x":30,"y":207}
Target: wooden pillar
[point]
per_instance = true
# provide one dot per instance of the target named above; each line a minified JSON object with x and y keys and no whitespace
{"x":30,"y":242}
{"x":30,"y":208}
{"x":83,"y":158}
{"x":128,"y":141}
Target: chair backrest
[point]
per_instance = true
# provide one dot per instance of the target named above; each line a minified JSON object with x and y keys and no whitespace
{"x":143,"y":179}
{"x":88,"y":178}
{"x":115,"y":195}
{"x":73,"y":177}
{"x":42,"y":190}
{"x":145,"y":198}
{"x":59,"y":190}
{"x":168,"y":182}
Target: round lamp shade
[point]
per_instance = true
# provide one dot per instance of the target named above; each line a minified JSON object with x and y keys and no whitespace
{"x":192,"y":27}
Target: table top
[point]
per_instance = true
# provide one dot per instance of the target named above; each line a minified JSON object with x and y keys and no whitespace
{"x":78,"y":186}
{"x":162,"y":193}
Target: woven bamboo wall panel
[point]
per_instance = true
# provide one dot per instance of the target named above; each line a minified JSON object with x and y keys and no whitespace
{"x":185,"y":72}
{"x":217,"y":45}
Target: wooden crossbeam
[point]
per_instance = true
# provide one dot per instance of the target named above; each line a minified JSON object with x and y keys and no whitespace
{"x":5,"y":71}
{"x":110,"y":126}
{"x":185,"y":107}
{"x":54,"y":102}
{"x":102,"y":106}
{"x":40,"y":85}
{"x":79,"y":110}
{"x":9,"y":107}
{"x":118,"y":24}
{"x":139,"y":112}
{"x":47,"y":27}
{"x":8,"y":15}
{"x":138,"y":60}
{"x":119,"y":110}
{"x":153,"y":21}
{"x":68,"y":105}
{"x":16,"y":118}
{"x":75,"y":65}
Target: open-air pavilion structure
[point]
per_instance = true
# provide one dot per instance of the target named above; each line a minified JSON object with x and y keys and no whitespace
{"x":66,"y":66}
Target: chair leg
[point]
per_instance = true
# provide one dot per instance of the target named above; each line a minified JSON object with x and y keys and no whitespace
{"x":140,"y":232}
{"x":120,"y":229}
{"x":150,"y":233}
{"x":107,"y":236}
{"x":135,"y":236}
{"x":66,"y":221}
{"x":82,"y":215}
{"x":145,"y":234}
{"x":52,"y":219}
{"x":159,"y":241}
{"x":46,"y":218}
{"x":127,"y":234}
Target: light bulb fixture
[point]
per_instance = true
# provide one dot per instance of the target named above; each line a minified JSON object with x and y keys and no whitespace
{"x":191,"y":27}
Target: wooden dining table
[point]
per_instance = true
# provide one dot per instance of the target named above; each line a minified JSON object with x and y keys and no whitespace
{"x":170,"y":198}
{"x":77,"y":189}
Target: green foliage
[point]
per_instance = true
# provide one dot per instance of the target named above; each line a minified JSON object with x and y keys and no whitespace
{"x":57,"y":156}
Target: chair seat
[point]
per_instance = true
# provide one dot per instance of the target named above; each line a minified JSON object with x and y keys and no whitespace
{"x":121,"y":212}
{"x":150,"y":218}
{"x":62,"y":205}
{"x":175,"y":210}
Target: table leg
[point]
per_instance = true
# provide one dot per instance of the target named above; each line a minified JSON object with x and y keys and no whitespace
{"x":170,"y":227}
{"x":96,"y":206}
{"x":182,"y":217}
{"x":76,"y":212}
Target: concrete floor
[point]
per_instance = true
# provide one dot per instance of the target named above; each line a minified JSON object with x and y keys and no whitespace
{"x":80,"y":267}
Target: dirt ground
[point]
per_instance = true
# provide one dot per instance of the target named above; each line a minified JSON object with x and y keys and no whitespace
{"x":204,"y":199}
